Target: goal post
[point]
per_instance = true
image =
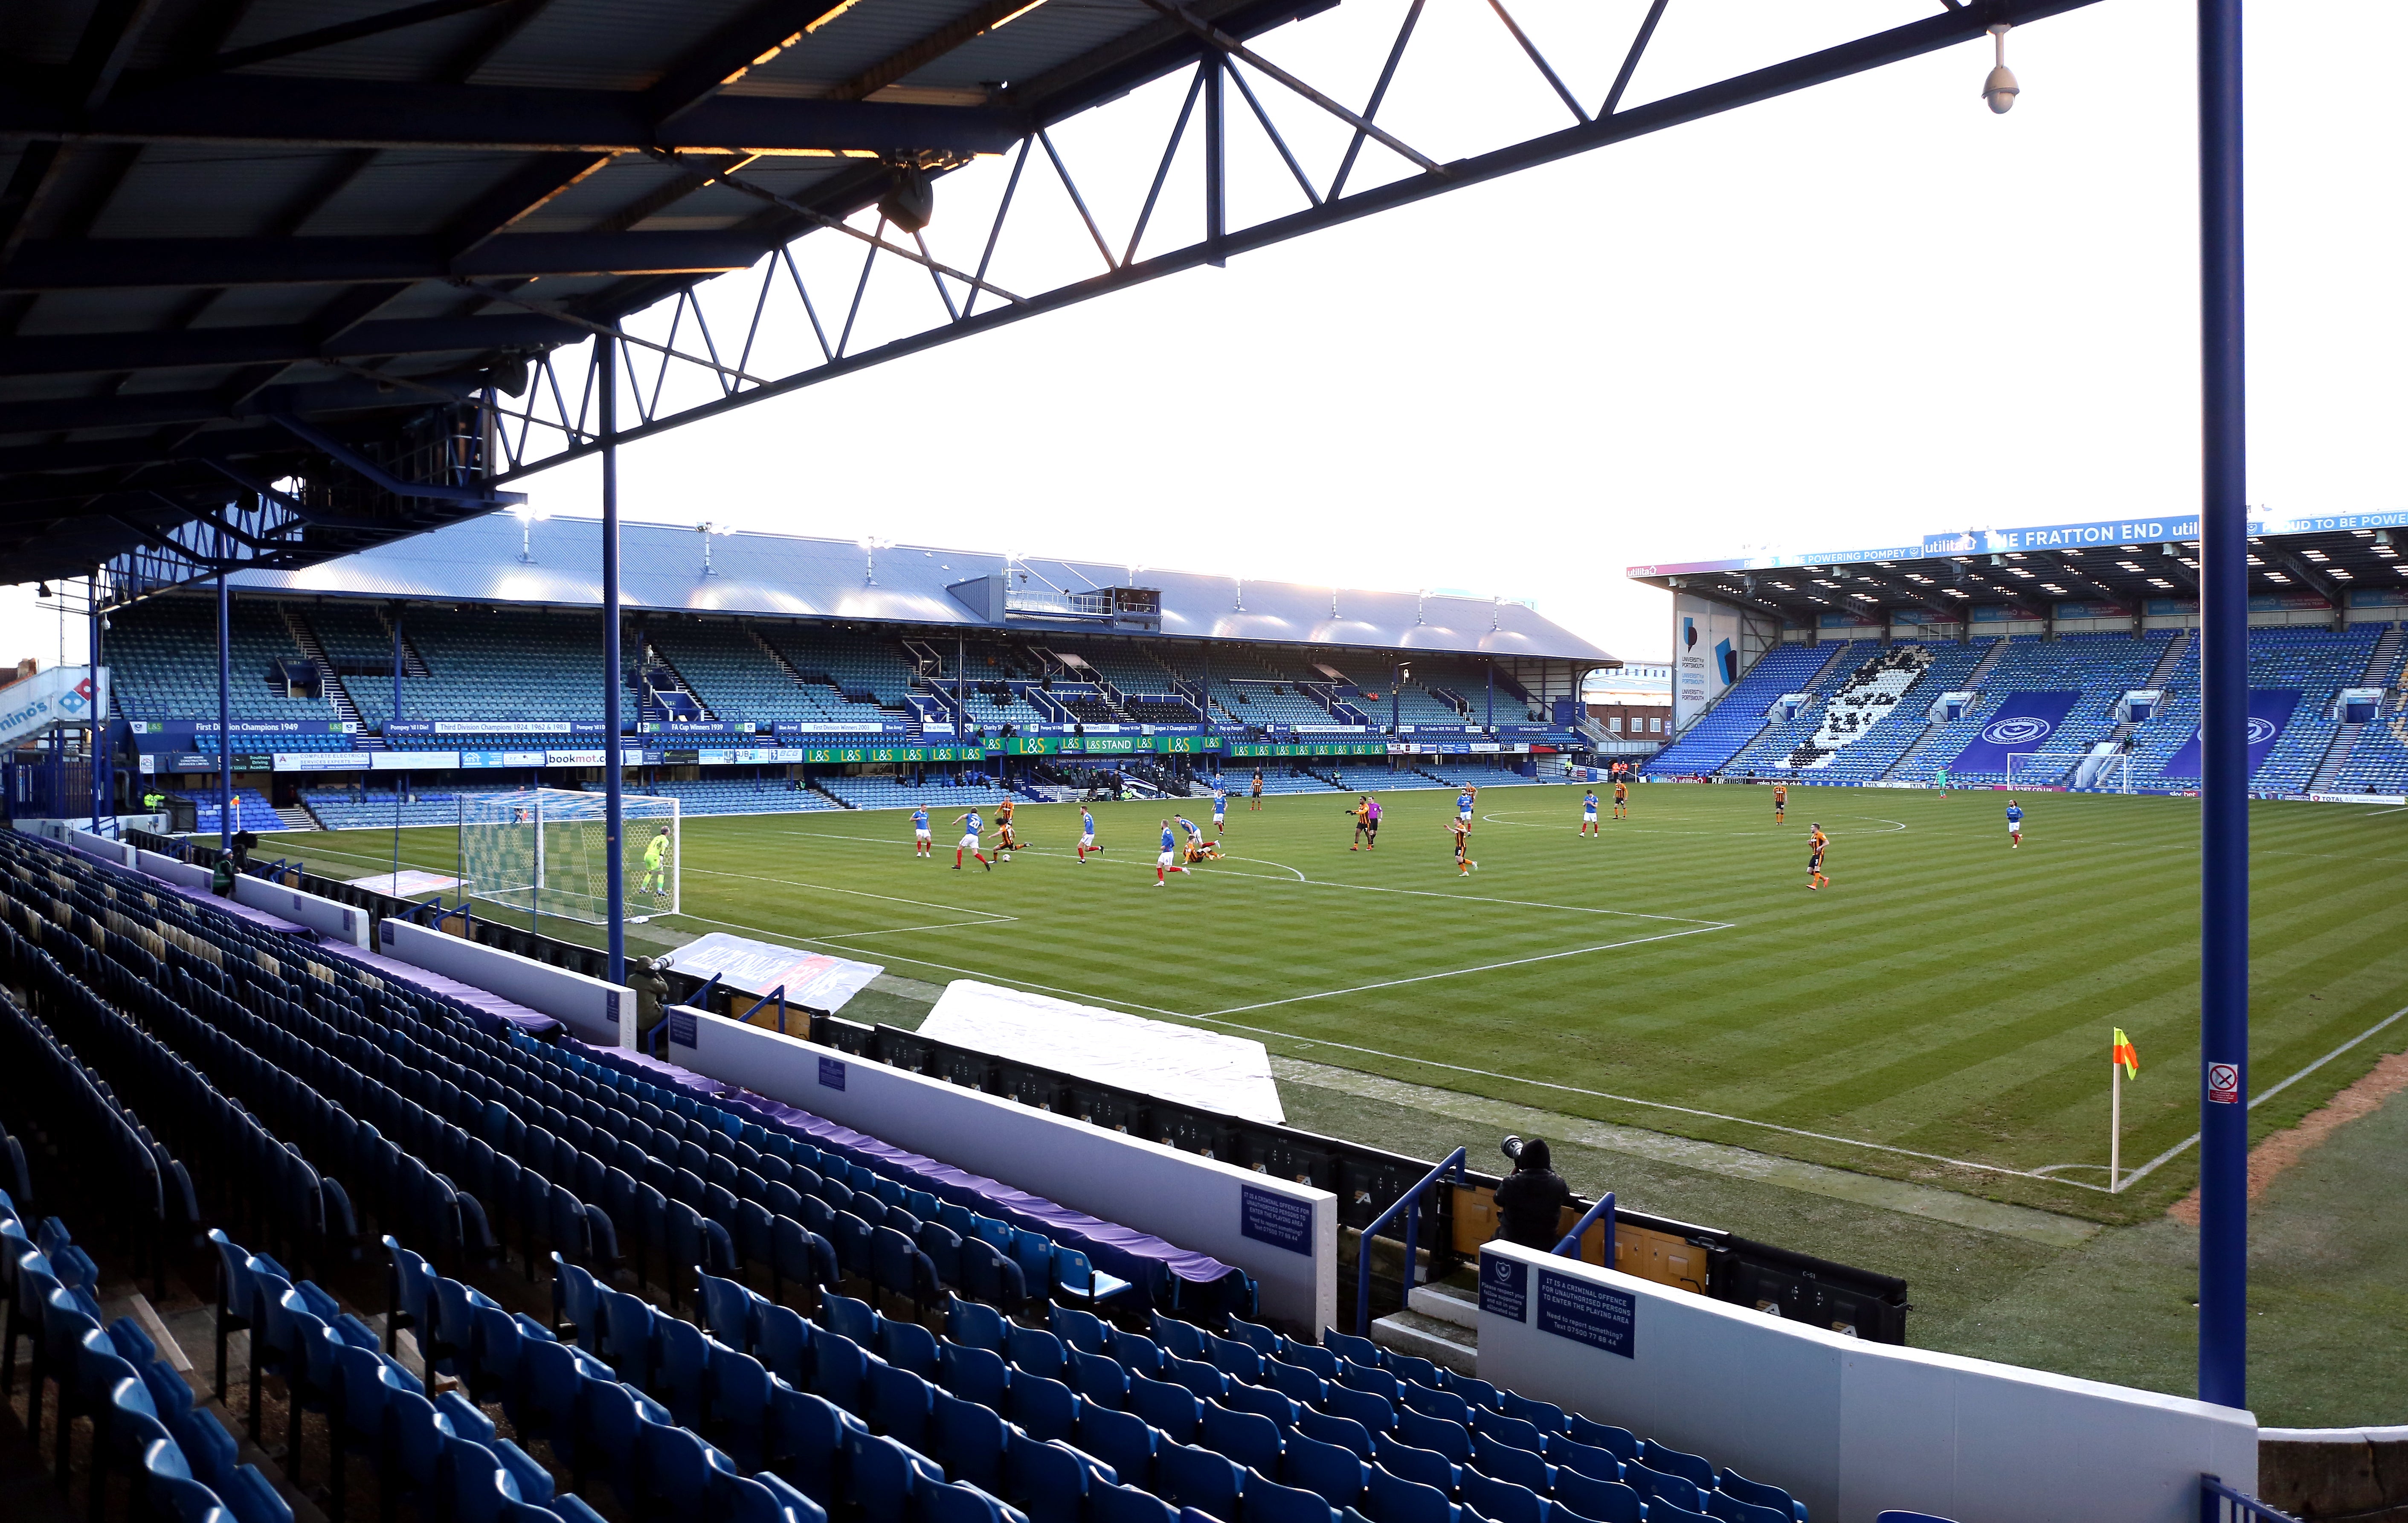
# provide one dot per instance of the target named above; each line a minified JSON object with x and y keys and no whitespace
{"x":2038,"y":768}
{"x":546,"y":852}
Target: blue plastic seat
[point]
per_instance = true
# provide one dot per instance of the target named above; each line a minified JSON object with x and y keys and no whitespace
{"x":1426,"y":1467}
{"x":899,"y":1404}
{"x":1238,"y":1362}
{"x":729,"y":1311}
{"x":740,"y":1405}
{"x":1606,"y":1501}
{"x":1048,"y":1481}
{"x":1437,"y":1404}
{"x":1123,"y":1504}
{"x":885,"y":1475}
{"x":910,"y":1346}
{"x":1044,"y":1409}
{"x":1760,"y":1493}
{"x":1320,"y":1362}
{"x":1141,"y":1355}
{"x":1199,"y":1478}
{"x":1364,"y":1377}
{"x":1480,"y":1393}
{"x":974,"y":1325}
{"x":1731,"y":1510}
{"x":673,"y":1469}
{"x":1035,"y":1351}
{"x":1451,"y":1440}
{"x":681,"y":1375}
{"x":1102,"y":1381}
{"x":974,"y":1375}
{"x":173,"y":1491}
{"x":1662,"y":1486}
{"x":1545,"y":1416}
{"x":855,"y":1319}
{"x":1372,"y":1411}
{"x":1331,"y":1471}
{"x":1080,"y":1330}
{"x":1121,"y":1440}
{"x":574,"y":1301}
{"x":1262,"y":1401}
{"x":1346,"y":1346}
{"x":784,"y":1343}
{"x":1328,"y":1428}
{"x":1406,"y":1366}
{"x":1493,"y":1457}
{"x":806,"y":1435}
{"x":1392,"y":1499}
{"x":969,"y":1439}
{"x":1294,"y":1382}
{"x":1694,"y":1469}
{"x":1501,"y":1500}
{"x":1587,"y":1459}
{"x":1174,"y":1409}
{"x":1619,"y":1442}
{"x":952,"y":1503}
{"x":1198,"y":1376}
{"x":1251,"y":1440}
{"x":627,"y":1344}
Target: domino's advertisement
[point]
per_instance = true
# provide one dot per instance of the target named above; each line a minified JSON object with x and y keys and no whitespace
{"x":2024,"y":722}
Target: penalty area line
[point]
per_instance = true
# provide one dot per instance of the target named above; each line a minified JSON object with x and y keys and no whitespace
{"x":1455,"y":973}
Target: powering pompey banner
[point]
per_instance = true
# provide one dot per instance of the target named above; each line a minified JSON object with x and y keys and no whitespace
{"x":2024,"y":723}
{"x":2270,"y":710}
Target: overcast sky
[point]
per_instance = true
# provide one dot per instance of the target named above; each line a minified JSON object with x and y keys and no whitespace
{"x":1867,"y":310}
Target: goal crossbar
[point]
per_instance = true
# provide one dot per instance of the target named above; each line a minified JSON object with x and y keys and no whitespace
{"x":547,"y":851}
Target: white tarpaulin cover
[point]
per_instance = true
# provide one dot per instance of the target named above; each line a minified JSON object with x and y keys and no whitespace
{"x":809,"y":978}
{"x":1206,"y":1069}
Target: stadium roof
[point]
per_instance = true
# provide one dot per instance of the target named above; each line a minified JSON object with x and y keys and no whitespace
{"x":785,"y":575}
{"x":245,"y":244}
{"x":2034,"y":566}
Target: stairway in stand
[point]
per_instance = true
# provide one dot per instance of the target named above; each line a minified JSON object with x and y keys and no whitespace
{"x":329,"y":682}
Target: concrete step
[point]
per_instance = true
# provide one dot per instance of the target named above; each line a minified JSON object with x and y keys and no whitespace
{"x":1443,"y":1343}
{"x":1457,"y":1304}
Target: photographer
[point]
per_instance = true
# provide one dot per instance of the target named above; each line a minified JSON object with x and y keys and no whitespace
{"x":1531,"y":1200}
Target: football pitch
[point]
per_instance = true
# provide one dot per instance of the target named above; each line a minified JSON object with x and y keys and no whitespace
{"x":1941,"y":1014}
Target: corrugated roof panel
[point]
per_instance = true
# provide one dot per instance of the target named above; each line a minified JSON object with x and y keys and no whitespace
{"x":400,"y":195}
{"x":249,"y":306}
{"x":793,"y":577}
{"x":406,"y":53}
{"x":207,"y":191}
{"x":1044,"y":38}
{"x":606,"y":44}
{"x":99,"y":311}
{"x":43,"y":36}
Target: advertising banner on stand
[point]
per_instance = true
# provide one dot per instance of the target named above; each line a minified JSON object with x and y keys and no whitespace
{"x":1705,"y":654}
{"x":2270,"y":710}
{"x":2024,"y":722}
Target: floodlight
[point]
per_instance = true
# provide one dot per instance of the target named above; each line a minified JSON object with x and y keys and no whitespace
{"x":2001,"y":89}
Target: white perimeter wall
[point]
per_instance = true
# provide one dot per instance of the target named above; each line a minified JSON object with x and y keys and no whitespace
{"x":1851,"y":1427}
{"x":1184,"y":1199}
{"x":594,"y":1011}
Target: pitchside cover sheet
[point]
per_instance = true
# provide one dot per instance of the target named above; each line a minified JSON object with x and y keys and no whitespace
{"x":2024,"y":723}
{"x":2270,"y":710}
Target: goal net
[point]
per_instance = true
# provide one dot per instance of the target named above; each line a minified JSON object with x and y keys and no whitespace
{"x":2039,"y":769}
{"x":546,"y":852}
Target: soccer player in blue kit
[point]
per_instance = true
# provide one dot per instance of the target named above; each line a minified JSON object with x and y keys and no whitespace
{"x":2014,"y":826}
{"x":1168,"y":861}
{"x":920,"y":846}
{"x":1219,"y":807}
{"x":1464,"y":800}
{"x":1086,"y":833}
{"x":1588,"y":814}
{"x":969,"y":843}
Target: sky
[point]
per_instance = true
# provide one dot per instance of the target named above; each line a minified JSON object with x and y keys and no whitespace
{"x":1863,"y":310}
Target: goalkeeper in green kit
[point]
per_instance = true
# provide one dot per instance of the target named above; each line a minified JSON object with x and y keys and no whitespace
{"x":656,"y":852}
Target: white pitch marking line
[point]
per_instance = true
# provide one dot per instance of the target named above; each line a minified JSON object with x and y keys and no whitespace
{"x":1457,"y":972}
{"x":2255,"y":1100}
{"x":826,"y":888}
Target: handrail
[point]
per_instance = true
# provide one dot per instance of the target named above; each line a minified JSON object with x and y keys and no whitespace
{"x":1570,"y":1247}
{"x":779,"y":993}
{"x":1412,"y":1241}
{"x":2220,"y":1503}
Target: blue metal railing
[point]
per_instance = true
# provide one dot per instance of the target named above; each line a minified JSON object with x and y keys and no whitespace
{"x":2220,"y":1503}
{"x":1603,"y":1210}
{"x":1412,"y":1241}
{"x":779,"y":993}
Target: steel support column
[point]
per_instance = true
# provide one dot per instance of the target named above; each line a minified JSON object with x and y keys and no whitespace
{"x":225,"y":716}
{"x":1216,"y":160}
{"x":101,"y":778}
{"x":2224,"y":724}
{"x":613,"y":807}
{"x":1491,"y":694}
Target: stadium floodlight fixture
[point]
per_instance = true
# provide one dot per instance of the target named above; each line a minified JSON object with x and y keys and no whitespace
{"x":1241,"y":594}
{"x":526,"y":513}
{"x":2001,"y":89}
{"x":707,"y":530}
{"x":870,"y":545}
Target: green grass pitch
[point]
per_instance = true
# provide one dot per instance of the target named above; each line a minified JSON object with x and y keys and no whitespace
{"x":1941,"y":1012}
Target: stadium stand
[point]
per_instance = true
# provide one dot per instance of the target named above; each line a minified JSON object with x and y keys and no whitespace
{"x":735,"y":795}
{"x":252,"y":811}
{"x":934,"y":794}
{"x":996,"y":1387}
{"x":467,"y":663}
{"x":1711,"y":743}
{"x":164,"y":663}
{"x":738,"y":676}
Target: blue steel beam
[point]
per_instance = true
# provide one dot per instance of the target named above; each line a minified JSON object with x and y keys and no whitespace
{"x":115,"y":264}
{"x":2223,"y":723}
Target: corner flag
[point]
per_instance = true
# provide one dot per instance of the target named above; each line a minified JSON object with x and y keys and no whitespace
{"x":2125,"y":1055}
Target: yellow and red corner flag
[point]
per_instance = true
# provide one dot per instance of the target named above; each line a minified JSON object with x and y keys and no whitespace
{"x":2126,"y":1055}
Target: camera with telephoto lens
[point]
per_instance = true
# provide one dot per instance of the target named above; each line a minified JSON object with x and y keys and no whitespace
{"x":1512,"y":1148}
